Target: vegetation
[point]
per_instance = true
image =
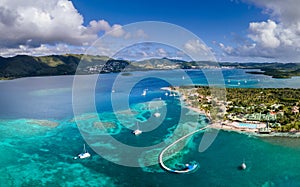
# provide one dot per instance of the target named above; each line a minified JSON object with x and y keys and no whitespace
{"x":276,"y":70}
{"x":69,"y":64}
{"x":279,"y":107}
{"x":25,"y":66}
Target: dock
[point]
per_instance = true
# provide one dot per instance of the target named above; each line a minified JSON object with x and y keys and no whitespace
{"x":189,"y":168}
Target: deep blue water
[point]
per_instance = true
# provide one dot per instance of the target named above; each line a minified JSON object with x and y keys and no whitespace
{"x":37,"y":155}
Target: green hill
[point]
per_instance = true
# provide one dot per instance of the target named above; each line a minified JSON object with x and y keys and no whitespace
{"x":24,"y":66}
{"x":69,"y":64}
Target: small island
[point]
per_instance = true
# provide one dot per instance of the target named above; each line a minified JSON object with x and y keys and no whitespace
{"x":258,"y":110}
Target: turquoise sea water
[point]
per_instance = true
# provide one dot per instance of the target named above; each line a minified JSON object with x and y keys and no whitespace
{"x":39,"y":137}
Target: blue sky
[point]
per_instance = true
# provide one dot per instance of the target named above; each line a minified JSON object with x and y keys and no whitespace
{"x":207,"y":18}
{"x":213,"y":21}
{"x":235,"y":30}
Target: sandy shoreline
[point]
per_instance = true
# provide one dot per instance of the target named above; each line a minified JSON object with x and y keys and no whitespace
{"x":231,"y":125}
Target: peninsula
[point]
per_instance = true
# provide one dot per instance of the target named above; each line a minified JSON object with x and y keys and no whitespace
{"x":260,"y":110}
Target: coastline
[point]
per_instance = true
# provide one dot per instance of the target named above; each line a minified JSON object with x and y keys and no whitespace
{"x":231,"y":126}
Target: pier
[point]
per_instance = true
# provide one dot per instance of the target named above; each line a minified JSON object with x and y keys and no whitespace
{"x":189,"y":168}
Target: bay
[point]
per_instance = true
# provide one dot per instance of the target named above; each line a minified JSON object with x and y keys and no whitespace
{"x":39,"y":136}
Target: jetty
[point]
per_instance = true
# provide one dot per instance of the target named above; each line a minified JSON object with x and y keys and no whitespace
{"x":189,"y":168}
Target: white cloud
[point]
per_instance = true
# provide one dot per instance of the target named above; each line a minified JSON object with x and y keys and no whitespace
{"x":148,"y":50}
{"x":285,"y":11}
{"x":277,"y":38}
{"x":227,"y":49}
{"x":34,"y":24}
{"x":39,"y":22}
{"x":102,"y":25}
{"x":264,"y":33}
{"x":195,"y":46}
{"x":161,"y":52}
{"x":42,"y":50}
{"x":137,"y":34}
{"x":96,"y":26}
{"x":117,"y":31}
{"x":141,"y":34}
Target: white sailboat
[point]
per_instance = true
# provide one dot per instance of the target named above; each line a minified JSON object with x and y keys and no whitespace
{"x":137,"y":131}
{"x":243,"y":166}
{"x":84,"y":154}
{"x":144,"y":92}
{"x":157,"y":114}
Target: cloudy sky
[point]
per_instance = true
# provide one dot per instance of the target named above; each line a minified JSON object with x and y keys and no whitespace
{"x":235,"y":30}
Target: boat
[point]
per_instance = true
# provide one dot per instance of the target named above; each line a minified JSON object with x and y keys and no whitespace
{"x":190,"y":167}
{"x":156,"y":114}
{"x":185,"y":168}
{"x":243,"y":165}
{"x":84,"y":154}
{"x":144,"y":92}
{"x":137,"y":131}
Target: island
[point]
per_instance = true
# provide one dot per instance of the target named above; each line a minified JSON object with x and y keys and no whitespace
{"x":273,"y":69}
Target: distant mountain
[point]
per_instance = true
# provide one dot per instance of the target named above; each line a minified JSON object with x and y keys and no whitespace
{"x":274,"y":69}
{"x":25,"y":66}
{"x":69,"y":64}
